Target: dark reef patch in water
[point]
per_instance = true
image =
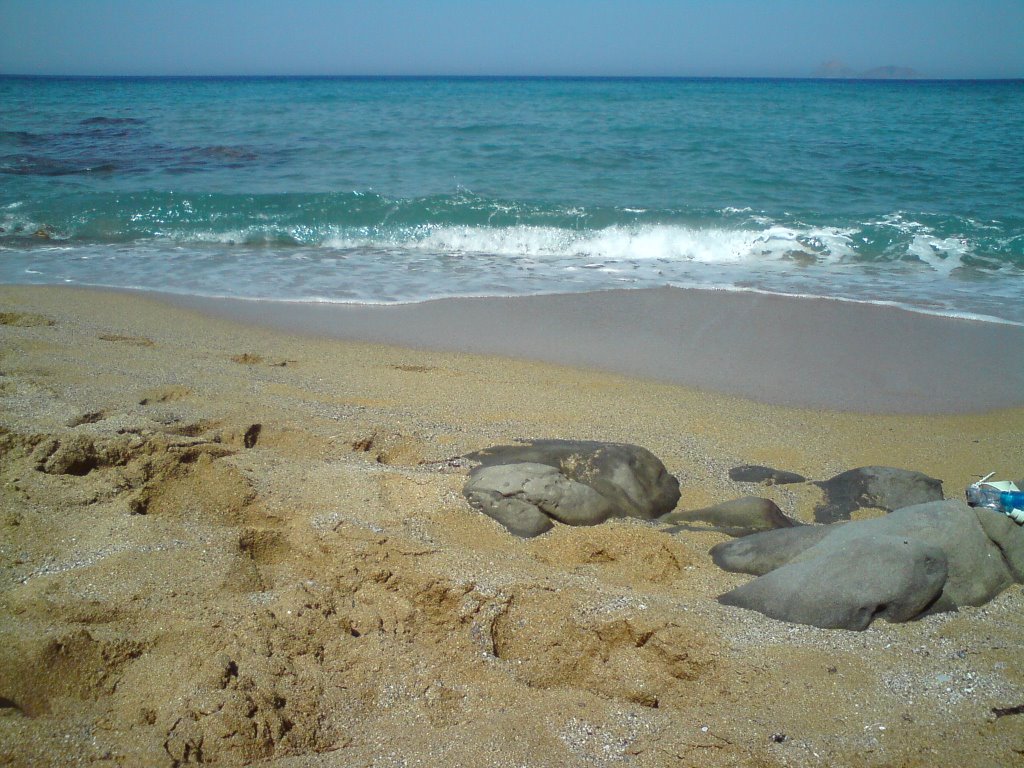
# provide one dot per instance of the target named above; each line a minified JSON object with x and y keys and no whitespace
{"x":102,"y":120}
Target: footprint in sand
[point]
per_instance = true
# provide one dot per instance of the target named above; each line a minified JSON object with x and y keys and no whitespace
{"x":135,"y":341}
{"x":90,"y":417}
{"x":24,"y":319}
{"x":167,"y":394}
{"x":249,"y":358}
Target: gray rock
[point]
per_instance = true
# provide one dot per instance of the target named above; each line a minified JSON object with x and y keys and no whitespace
{"x":885,"y":488}
{"x":627,"y":481}
{"x":739,"y":517}
{"x":491,"y":492}
{"x":523,"y":497}
{"x":755,"y":473}
{"x":980,"y":554}
{"x":977,"y":571}
{"x":1008,"y":538}
{"x":763,"y":552}
{"x":874,"y":576}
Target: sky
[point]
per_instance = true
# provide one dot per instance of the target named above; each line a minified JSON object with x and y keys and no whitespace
{"x":689,"y":38}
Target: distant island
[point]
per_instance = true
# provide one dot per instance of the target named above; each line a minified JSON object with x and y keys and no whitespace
{"x":838,"y":69}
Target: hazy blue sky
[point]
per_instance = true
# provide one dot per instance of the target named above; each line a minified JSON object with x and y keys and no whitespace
{"x":939,"y":38}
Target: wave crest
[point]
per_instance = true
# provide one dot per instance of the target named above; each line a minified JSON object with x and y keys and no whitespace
{"x":464,"y":223}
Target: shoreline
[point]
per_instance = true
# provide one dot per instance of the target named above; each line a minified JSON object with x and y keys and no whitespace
{"x":779,"y":350}
{"x":959,"y":445}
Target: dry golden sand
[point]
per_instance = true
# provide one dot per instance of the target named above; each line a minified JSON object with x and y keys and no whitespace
{"x":226,"y":545}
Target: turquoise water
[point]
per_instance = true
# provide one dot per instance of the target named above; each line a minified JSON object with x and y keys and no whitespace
{"x":397,"y":190}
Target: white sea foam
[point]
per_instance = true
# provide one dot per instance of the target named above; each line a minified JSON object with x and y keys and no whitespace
{"x":375,"y":265}
{"x":654,"y":242}
{"x":941,"y":254}
{"x":898,"y":222}
{"x":830,"y":242}
{"x":903,"y":305}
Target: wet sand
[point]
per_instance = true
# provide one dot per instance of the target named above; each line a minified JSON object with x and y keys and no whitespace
{"x":234,"y":537}
{"x":787,"y":351}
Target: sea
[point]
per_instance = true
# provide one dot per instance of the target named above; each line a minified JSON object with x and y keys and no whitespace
{"x":397,"y":190}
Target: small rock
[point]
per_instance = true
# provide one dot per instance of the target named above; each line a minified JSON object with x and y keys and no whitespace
{"x":887,"y":488}
{"x":252,"y":435}
{"x":755,"y":473}
{"x":739,"y":517}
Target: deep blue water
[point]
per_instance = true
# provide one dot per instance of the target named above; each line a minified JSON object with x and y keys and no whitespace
{"x":386,"y":190}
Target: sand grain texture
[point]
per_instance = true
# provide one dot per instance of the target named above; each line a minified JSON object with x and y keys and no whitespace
{"x":213,"y":557}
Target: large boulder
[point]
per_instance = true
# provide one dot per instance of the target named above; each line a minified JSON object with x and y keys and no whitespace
{"x":526,"y":497}
{"x":981,"y":556}
{"x":525,"y":486}
{"x":739,"y":517}
{"x":885,"y":488}
{"x":1008,"y":536}
{"x":872,"y":577}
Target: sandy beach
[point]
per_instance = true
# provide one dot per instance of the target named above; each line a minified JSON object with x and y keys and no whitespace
{"x":255,"y":550}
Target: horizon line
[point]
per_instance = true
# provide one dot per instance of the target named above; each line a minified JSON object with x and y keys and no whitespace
{"x":264,"y":76}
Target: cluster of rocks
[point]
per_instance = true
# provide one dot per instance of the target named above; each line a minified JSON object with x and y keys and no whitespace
{"x":919,"y":559}
{"x":928,"y":554}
